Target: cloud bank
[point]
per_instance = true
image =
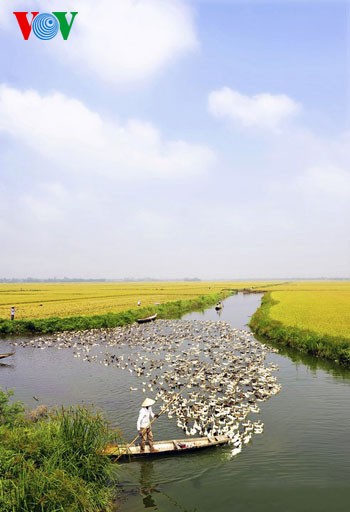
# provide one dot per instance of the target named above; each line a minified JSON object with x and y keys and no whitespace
{"x":258,"y":111}
{"x":67,"y":134}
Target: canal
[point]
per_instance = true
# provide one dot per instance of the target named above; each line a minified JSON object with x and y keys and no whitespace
{"x":299,"y":463}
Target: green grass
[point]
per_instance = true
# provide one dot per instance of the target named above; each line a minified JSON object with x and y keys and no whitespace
{"x":317,"y":344}
{"x":52,"y":461}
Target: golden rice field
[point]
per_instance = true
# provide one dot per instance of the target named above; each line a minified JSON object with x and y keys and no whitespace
{"x":45,"y":300}
{"x":323,"y":307}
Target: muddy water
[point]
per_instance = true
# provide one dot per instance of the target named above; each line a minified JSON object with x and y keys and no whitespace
{"x":300,"y":462}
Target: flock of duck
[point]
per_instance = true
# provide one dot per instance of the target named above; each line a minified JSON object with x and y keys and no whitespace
{"x":207,"y":375}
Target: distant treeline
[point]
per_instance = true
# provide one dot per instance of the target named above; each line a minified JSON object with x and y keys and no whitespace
{"x":52,"y":280}
{"x":281,"y":280}
{"x":97,"y":280}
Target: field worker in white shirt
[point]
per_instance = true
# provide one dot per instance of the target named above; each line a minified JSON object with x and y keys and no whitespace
{"x":143,"y":424}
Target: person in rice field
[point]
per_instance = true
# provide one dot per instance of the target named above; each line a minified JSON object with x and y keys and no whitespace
{"x":146,"y":415}
{"x":13,"y":312}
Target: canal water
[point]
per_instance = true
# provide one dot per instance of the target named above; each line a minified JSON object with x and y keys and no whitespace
{"x":300,"y":463}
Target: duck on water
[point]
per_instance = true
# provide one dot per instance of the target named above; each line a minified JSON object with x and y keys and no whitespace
{"x":208,"y":376}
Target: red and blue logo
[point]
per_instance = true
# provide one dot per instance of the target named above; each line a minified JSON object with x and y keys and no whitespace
{"x":46,"y":25}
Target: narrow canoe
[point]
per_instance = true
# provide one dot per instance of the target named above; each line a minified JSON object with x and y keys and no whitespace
{"x":2,"y":356}
{"x":174,"y":446}
{"x":147,"y":319}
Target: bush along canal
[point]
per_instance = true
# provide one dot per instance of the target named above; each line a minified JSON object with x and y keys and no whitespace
{"x":334,"y":348}
{"x":291,"y":450}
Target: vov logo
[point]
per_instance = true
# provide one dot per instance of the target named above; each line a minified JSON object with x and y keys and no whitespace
{"x":45,"y":26}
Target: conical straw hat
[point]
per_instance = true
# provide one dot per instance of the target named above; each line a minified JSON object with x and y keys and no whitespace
{"x":148,"y":402}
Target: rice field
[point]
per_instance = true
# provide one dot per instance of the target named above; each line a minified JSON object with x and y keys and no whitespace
{"x":47,"y":300}
{"x":322,"y":307}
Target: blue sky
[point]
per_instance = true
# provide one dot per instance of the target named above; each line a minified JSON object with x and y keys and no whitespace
{"x":175,"y":138}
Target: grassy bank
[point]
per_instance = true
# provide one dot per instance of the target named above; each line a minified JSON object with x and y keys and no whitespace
{"x":173,"y":309}
{"x":51,"y":461}
{"x":335,"y":348}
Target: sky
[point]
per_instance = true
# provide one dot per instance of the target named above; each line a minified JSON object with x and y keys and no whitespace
{"x":176,"y":138}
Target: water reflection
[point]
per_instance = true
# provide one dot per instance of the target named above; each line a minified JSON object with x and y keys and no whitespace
{"x":236,"y":310}
{"x":312,"y":362}
{"x":7,"y":365}
{"x":149,"y":490}
{"x":147,"y":485}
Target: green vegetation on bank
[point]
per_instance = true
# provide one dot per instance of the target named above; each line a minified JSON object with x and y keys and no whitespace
{"x":172,"y":309}
{"x":320,"y":345}
{"x":52,"y":462}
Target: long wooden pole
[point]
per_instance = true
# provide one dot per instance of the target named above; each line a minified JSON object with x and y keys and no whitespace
{"x":154,"y":419}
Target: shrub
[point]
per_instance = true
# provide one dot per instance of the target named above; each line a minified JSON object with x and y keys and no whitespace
{"x":9,"y":413}
{"x":54,"y":463}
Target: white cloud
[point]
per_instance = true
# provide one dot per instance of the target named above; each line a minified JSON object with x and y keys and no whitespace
{"x":48,"y":205}
{"x":328,"y":181}
{"x":67,"y":134}
{"x":260,"y":2}
{"x":153,"y":226}
{"x":120,"y":41}
{"x":260,"y":110}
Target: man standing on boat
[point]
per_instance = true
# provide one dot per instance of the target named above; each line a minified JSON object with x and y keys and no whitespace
{"x":146,"y":415}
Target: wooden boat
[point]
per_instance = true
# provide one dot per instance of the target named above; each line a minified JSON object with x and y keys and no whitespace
{"x":147,"y":319}
{"x":174,"y":446}
{"x":8,"y":354}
